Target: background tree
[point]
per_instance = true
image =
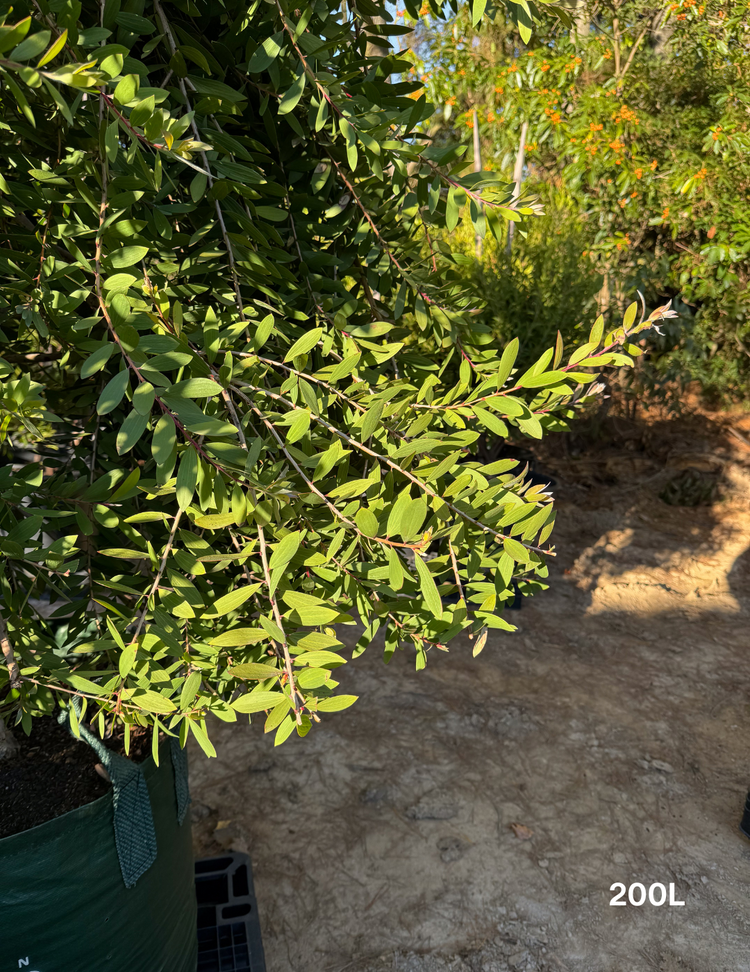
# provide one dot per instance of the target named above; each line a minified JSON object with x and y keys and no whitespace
{"x":638,"y":139}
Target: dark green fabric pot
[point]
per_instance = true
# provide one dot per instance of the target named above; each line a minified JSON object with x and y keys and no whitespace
{"x":64,"y":906}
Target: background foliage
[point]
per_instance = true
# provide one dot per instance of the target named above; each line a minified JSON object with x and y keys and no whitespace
{"x":242,"y":376}
{"x":638,"y":117}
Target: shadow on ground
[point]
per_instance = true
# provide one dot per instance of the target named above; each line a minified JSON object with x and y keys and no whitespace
{"x":613,"y":726}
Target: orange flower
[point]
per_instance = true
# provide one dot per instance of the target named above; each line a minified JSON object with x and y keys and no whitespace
{"x":638,"y":173}
{"x":665,"y":214}
{"x":545,"y":66}
{"x":653,"y":165}
{"x":633,"y":194}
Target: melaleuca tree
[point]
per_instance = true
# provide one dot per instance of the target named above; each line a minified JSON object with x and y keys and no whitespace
{"x":240,"y":380}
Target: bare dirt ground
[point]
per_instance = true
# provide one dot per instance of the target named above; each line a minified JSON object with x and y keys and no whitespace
{"x":613,"y":726}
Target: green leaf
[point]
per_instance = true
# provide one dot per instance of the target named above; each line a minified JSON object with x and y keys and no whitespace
{"x":10,"y":36}
{"x":201,"y":737}
{"x":112,"y":141}
{"x":490,"y":421}
{"x":119,"y":283}
{"x":595,"y":337}
{"x":190,"y":689}
{"x":477,"y":11}
{"x":299,"y":426}
{"x":232,"y":601}
{"x":215,"y":521}
{"x":630,"y":315}
{"x":428,"y":588}
{"x":127,"y":659}
{"x":367,"y":522}
{"x":164,"y":439}
{"x":336,"y":703}
{"x":452,"y":211}
{"x":507,"y":361}
{"x":516,"y":550}
{"x":316,"y":659}
{"x":412,"y":518}
{"x":143,"y":398}
{"x":292,"y":96}
{"x":54,"y":49}
{"x":96,"y":361}
{"x":83,"y":684}
{"x":113,"y":392}
{"x":187,"y":477}
{"x":266,"y":54}
{"x":254,"y":671}
{"x":396,"y":572}
{"x":285,"y":550}
{"x":272,"y":629}
{"x":284,"y":731}
{"x":131,"y":431}
{"x":239,"y":637}
{"x":257,"y":701}
{"x":195,"y":388}
{"x":31,"y":47}
{"x":126,"y":89}
{"x":371,"y":420}
{"x":306,"y":343}
{"x":309,"y":609}
{"x":153,"y":702}
{"x":352,"y":153}
{"x":134,"y":23}
{"x":544,"y":380}
{"x":127,"y":256}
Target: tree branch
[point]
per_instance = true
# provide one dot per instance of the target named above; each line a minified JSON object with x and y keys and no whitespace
{"x":9,"y":656}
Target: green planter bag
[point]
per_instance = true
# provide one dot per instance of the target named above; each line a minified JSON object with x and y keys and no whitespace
{"x":109,"y":887}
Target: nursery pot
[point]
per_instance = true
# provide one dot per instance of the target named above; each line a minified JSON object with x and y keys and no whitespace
{"x":745,"y":822}
{"x":108,"y":887}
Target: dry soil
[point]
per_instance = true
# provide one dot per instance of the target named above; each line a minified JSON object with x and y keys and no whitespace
{"x":613,"y":727}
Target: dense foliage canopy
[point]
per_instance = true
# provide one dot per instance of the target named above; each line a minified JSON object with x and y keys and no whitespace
{"x":242,"y":382}
{"x":637,"y":130}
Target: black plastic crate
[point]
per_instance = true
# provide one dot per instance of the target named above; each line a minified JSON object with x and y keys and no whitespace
{"x":228,"y":927}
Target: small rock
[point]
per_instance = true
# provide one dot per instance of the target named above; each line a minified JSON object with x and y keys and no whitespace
{"x":199,"y":811}
{"x":451,"y":849}
{"x":432,"y":808}
{"x":374,"y":796}
{"x":543,"y":863}
{"x":663,"y":767}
